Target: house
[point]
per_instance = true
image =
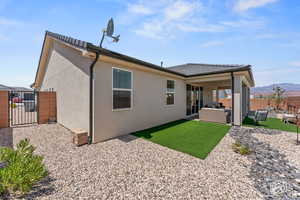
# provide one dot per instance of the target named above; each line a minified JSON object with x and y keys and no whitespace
{"x":109,"y":94}
{"x":4,"y":88}
{"x":17,"y":91}
{"x":8,"y":88}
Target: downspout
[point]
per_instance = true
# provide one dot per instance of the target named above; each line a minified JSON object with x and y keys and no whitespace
{"x":90,"y":135}
{"x":232,"y":99}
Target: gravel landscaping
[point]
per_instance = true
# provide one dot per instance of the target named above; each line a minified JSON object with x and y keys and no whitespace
{"x":275,"y":161}
{"x":134,"y":168}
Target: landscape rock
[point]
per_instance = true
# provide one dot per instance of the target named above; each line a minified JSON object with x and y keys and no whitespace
{"x":271,"y":171}
{"x":133,"y":168}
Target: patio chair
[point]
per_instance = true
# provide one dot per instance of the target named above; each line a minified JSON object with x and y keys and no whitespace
{"x":287,"y":118}
{"x":259,"y":115}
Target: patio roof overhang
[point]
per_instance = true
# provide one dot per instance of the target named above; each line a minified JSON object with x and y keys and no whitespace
{"x":221,"y":80}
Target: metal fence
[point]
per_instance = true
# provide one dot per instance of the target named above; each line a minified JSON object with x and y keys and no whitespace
{"x":22,"y":107}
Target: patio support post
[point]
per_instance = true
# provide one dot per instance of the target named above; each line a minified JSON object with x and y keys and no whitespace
{"x":232,"y":98}
{"x":247,"y":100}
{"x":297,"y":125}
{"x":217,"y":95}
{"x":237,"y":101}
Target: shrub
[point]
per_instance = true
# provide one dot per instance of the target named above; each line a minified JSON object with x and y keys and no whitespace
{"x":241,"y":149}
{"x":23,"y":170}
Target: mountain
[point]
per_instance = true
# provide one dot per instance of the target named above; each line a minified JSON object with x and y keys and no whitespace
{"x":291,"y":89}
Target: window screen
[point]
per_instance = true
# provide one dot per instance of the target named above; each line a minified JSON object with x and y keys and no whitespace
{"x":170,"y":94}
{"x":122,"y":89}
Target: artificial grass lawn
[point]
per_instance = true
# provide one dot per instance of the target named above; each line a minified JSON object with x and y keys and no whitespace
{"x":271,"y":123}
{"x":192,"y":137}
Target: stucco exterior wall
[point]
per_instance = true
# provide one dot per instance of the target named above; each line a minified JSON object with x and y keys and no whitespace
{"x":237,"y":100}
{"x":241,"y":100}
{"x":244,"y":100}
{"x":67,"y":73}
{"x":149,"y":107}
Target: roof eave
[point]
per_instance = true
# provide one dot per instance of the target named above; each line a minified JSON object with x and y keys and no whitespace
{"x":95,"y":49}
{"x":248,"y":67}
{"x":33,"y":85}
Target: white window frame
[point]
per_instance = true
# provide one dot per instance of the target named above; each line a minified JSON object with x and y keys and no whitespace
{"x":121,"y":89}
{"x":167,"y":92}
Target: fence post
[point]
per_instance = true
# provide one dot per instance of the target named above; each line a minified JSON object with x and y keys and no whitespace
{"x":297,"y":125}
{"x":4,"y":109}
{"x":46,"y":107}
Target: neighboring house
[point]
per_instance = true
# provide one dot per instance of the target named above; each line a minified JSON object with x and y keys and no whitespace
{"x":8,"y":88}
{"x":15,"y":91}
{"x":110,"y":94}
{"x":4,"y":88}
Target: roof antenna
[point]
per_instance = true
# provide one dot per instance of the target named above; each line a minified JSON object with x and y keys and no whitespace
{"x":109,"y":31}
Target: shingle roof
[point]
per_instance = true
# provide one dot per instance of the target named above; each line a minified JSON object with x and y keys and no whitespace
{"x":186,"y":70}
{"x":8,"y":88}
{"x":4,"y":87}
{"x":78,"y":43}
{"x":192,"y":69}
{"x":90,"y":47}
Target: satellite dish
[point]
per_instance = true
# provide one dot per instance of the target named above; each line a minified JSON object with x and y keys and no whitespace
{"x":109,"y":31}
{"x":110,"y":27}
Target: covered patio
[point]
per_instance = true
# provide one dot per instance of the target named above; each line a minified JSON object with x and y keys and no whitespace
{"x":238,"y":83}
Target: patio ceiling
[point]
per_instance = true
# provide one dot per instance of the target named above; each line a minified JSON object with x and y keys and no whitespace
{"x":221,"y":79}
{"x":220,"y":84}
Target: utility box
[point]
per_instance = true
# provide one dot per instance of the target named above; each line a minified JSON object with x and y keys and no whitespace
{"x":80,"y":137}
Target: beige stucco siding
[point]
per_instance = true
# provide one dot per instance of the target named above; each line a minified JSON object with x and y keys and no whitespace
{"x":241,"y":100}
{"x":149,"y":108}
{"x":68,"y":74}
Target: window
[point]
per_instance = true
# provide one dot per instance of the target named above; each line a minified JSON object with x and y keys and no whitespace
{"x":170,"y":93}
{"x":122,"y":89}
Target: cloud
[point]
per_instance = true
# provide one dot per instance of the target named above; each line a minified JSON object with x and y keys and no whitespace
{"x":276,"y":75}
{"x":9,"y":22}
{"x":180,"y":9}
{"x":153,"y":29}
{"x":212,"y":44}
{"x":139,"y":9}
{"x":158,"y":29}
{"x":244,"y":5}
{"x":3,"y":38}
{"x":171,"y":16}
{"x":244,"y":23}
{"x":267,"y":36}
{"x":295,"y":63}
{"x":208,"y":28}
{"x":164,"y":19}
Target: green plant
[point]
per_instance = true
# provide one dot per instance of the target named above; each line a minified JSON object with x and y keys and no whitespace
{"x":278,"y":96}
{"x":23,"y":170}
{"x":241,"y":149}
{"x":13,"y":105}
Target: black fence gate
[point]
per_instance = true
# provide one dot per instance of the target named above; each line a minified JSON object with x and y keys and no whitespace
{"x":22,"y":107}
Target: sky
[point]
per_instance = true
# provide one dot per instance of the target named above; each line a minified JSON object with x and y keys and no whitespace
{"x":262,"y":33}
